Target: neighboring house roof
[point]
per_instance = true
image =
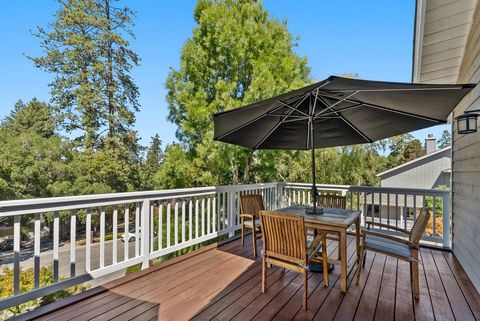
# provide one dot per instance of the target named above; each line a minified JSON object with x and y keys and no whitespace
{"x":412,"y":162}
{"x":440,"y":37}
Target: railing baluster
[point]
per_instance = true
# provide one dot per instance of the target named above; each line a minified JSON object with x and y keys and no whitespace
{"x":102,"y":237}
{"x":396,"y":210}
{"x":388,"y":208}
{"x":190,"y":218}
{"x":126,"y":232}
{"x":183,"y":221}
{"x":208,"y":215}
{"x":168,"y":224}
{"x":405,"y":212}
{"x":88,"y":240}
{"x":160,"y":226}
{"x":16,"y":254}
{"x":73,"y":238}
{"x":56,"y":237}
{"x":380,"y":208}
{"x":36,"y":250}
{"x":137,"y":229}
{"x":414,"y":207}
{"x":203,"y":216}
{"x":175,"y":227}
{"x":152,"y":226}
{"x":114,"y":235}
{"x":214,"y":216}
{"x":224,"y":210}
{"x":196,"y":218}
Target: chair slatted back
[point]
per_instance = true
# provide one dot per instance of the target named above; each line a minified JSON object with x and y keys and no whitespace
{"x":284,"y":236}
{"x":419,"y":227}
{"x":251,"y":204}
{"x":332,"y":201}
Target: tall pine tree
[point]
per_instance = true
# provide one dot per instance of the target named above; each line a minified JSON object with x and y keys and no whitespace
{"x":87,"y":50}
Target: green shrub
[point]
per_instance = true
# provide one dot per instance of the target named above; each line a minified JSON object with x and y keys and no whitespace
{"x":27,"y":283}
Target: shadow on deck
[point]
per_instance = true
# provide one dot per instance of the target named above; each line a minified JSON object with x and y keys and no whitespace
{"x":223,"y":283}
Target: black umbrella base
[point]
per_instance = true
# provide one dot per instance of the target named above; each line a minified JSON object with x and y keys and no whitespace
{"x":318,"y":267}
{"x":313,"y":211}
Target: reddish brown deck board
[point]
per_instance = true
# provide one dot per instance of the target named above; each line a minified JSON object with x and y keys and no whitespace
{"x":423,"y":306}
{"x":386,"y":297}
{"x":459,"y":305}
{"x":441,"y":305}
{"x":468,"y":290}
{"x":224,"y":283}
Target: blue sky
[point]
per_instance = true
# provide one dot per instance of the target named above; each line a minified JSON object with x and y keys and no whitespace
{"x":371,"y":38}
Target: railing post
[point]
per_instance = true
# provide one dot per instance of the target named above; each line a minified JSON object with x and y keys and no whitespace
{"x":145,"y":233}
{"x":446,"y":234}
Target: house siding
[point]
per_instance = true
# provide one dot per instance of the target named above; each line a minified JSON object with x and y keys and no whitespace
{"x":424,"y":173}
{"x":466,"y":165}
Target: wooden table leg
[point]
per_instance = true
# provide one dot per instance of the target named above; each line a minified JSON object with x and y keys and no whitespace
{"x":343,"y":258}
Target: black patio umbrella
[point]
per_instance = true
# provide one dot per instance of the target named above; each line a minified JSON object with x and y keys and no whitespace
{"x":336,"y":112}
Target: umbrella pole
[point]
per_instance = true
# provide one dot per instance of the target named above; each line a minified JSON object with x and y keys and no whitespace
{"x":314,"y":184}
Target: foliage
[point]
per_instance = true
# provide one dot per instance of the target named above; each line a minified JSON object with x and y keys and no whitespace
{"x":237,"y":54}
{"x":86,"y":50}
{"x":27,"y":284}
{"x":152,"y":164}
{"x":404,"y":148}
{"x":438,"y":202}
{"x":445,"y":140}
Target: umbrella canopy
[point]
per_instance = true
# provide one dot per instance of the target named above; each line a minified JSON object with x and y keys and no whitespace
{"x":336,"y":112}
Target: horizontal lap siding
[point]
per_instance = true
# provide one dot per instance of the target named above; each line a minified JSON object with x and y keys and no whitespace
{"x":446,"y":27}
{"x":466,"y":167}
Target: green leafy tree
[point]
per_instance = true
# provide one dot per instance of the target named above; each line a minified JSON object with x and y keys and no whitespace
{"x":176,"y":169}
{"x":237,"y":54}
{"x":33,"y":159}
{"x":413,"y":150}
{"x":445,"y":140}
{"x":153,"y":161}
{"x":86,"y":49}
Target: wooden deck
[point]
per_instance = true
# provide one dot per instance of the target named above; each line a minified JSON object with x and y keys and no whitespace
{"x":223,"y":283}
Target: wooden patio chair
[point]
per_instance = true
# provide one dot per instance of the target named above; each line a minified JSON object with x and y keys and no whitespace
{"x":397,"y":247}
{"x":332,"y":201}
{"x":250,"y":207}
{"x":285,"y":245}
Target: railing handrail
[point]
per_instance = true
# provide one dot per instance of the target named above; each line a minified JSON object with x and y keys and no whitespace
{"x":357,"y":188}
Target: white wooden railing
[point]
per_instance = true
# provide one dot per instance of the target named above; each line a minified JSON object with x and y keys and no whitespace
{"x":166,"y":221}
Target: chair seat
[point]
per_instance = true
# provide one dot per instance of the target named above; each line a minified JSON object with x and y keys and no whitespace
{"x":388,"y":246}
{"x":249,"y":223}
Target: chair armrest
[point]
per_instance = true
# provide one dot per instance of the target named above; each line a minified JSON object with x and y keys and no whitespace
{"x":388,"y":237}
{"x":387,"y":226}
{"x":249,"y":216}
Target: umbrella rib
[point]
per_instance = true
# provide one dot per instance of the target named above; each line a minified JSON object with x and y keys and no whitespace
{"x":347,"y":121}
{"x":339,"y":100}
{"x":294,"y":108}
{"x":279,"y":123}
{"x":339,"y":110}
{"x":255,"y":119}
{"x":390,"y":110}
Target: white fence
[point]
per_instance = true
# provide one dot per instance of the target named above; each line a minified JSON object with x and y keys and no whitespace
{"x":162,"y":222}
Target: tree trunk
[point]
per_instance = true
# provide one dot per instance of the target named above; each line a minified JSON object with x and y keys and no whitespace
{"x":110,"y":84}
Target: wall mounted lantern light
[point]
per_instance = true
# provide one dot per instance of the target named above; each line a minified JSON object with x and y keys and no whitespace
{"x":467,"y":123}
